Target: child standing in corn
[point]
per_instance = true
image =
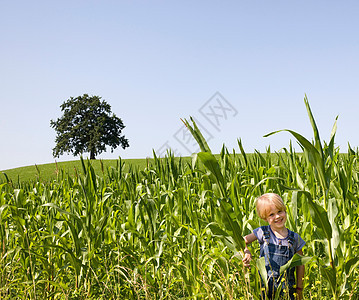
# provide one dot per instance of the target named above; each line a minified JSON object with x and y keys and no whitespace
{"x":277,"y":245}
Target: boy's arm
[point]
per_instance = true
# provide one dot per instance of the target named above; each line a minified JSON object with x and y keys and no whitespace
{"x":300,"y":276}
{"x":247,"y":257}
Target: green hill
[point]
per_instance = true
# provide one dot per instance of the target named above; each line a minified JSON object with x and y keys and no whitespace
{"x":47,"y":172}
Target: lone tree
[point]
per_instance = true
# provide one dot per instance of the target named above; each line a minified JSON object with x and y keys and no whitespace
{"x":87,"y":125}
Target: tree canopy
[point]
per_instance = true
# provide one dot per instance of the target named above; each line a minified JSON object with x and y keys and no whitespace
{"x":87,"y":125}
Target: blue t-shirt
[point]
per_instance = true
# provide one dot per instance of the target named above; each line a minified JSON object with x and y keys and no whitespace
{"x":298,"y":241}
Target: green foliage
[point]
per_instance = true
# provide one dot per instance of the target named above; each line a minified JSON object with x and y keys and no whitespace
{"x":49,"y":172}
{"x":172,"y":229}
{"x":322,"y":158}
{"x":87,"y":125}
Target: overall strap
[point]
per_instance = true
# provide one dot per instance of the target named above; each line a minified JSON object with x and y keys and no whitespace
{"x":291,"y":241}
{"x":266,"y":233}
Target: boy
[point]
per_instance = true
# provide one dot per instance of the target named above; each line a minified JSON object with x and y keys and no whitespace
{"x":277,"y":244}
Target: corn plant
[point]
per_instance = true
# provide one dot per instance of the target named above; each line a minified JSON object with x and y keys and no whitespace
{"x":324,"y":167}
{"x":173,"y":230}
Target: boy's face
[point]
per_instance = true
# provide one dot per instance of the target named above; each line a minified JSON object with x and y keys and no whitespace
{"x":276,"y":218}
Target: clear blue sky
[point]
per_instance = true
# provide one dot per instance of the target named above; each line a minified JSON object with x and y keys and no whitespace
{"x":155,"y":62}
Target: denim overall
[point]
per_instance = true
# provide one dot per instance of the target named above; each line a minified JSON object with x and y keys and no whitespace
{"x":275,"y":257}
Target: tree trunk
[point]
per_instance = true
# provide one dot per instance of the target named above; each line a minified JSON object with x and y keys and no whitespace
{"x":92,"y":154}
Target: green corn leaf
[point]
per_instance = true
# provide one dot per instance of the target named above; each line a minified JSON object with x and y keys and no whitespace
{"x":2,"y":209}
{"x":318,"y":144}
{"x":76,"y":263}
{"x":261,"y":266}
{"x":196,"y":133}
{"x":212,"y":165}
{"x":319,"y":215}
{"x":190,"y":229}
{"x":217,"y":230}
{"x":314,"y":156}
{"x":6,"y":177}
{"x":84,"y":169}
{"x":223,"y":235}
{"x":185,"y":277}
{"x":329,"y":274}
{"x":223,"y":265}
{"x":231,"y":224}
{"x":332,"y":214}
{"x":332,"y":136}
{"x":59,"y":285}
{"x":296,"y":260}
{"x":350,"y":150}
{"x":242,"y":151}
{"x":294,"y":205}
{"x":73,"y":231}
{"x":75,"y":237}
{"x":60,"y":210}
{"x":351,"y":265}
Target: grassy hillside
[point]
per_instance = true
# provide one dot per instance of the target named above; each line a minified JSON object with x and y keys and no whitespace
{"x":46,"y":172}
{"x":173,"y":229}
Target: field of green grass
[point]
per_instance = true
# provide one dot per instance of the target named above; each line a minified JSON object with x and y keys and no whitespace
{"x":48,"y":172}
{"x":172,"y":228}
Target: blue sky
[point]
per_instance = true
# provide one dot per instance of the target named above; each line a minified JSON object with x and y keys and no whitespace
{"x":240,"y":68}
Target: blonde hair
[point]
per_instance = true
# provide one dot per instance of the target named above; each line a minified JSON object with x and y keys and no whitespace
{"x":265,"y":200}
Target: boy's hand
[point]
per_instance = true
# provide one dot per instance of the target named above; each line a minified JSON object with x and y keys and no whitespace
{"x":247,"y":258}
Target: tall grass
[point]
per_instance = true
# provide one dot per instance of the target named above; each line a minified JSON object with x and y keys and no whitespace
{"x":48,"y":172}
{"x":173,"y":229}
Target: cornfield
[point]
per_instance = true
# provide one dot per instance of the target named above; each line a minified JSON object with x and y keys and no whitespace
{"x":174,"y":230}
